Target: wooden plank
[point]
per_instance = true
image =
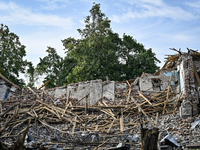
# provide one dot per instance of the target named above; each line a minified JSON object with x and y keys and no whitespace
{"x":101,"y":144}
{"x":128,"y":83}
{"x":142,"y":111}
{"x":128,"y":98}
{"x":156,"y":119}
{"x":144,"y":98}
{"x":44,"y":84}
{"x":107,"y":112}
{"x":67,"y":105}
{"x":81,"y":99}
{"x":86,"y":104}
{"x":74,"y":126}
{"x":121,"y":123}
{"x":128,"y":89}
{"x":111,"y":125}
{"x":34,"y":93}
{"x":109,"y":109}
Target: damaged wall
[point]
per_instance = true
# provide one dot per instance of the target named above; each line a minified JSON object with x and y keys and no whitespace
{"x":109,"y":89}
{"x":183,"y":80}
{"x":6,"y":87}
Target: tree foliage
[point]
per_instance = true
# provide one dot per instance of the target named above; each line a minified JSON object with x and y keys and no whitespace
{"x":136,"y":59}
{"x":101,"y":53}
{"x":30,"y":73}
{"x":96,"y":51}
{"x":12,"y":54}
{"x":54,"y":68}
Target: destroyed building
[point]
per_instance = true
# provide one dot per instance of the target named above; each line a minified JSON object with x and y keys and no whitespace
{"x":6,"y":87}
{"x":108,"y":114}
{"x":183,"y":68}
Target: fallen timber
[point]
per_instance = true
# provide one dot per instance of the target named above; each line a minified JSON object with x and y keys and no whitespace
{"x":72,"y":125}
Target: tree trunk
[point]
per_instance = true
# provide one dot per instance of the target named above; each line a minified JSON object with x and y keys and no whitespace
{"x":149,"y":138}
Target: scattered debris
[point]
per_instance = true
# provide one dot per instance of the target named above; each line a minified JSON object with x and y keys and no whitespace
{"x":108,"y":115}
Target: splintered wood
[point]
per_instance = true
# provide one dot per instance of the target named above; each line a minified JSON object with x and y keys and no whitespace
{"x":69,"y":123}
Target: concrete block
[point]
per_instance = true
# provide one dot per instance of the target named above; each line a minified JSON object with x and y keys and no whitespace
{"x":136,"y":82}
{"x":83,"y":90}
{"x":146,"y":84}
{"x":3,"y":89}
{"x":60,"y":91}
{"x":185,"y":109}
{"x":109,"y":90}
{"x":73,"y":88}
{"x":96,"y":91}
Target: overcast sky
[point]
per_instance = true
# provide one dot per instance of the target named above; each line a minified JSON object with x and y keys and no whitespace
{"x":157,"y":24}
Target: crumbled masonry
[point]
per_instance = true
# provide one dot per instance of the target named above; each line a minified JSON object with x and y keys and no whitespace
{"x":107,"y":115}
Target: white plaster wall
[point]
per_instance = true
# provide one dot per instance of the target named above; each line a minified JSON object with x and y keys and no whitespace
{"x":109,"y":90}
{"x":95,"y":91}
{"x":182,"y":76}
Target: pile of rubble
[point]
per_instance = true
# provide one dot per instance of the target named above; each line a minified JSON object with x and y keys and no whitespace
{"x":108,"y":115}
{"x":67,"y":124}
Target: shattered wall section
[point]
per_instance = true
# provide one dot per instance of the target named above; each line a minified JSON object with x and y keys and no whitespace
{"x":182,"y":76}
{"x":109,"y":90}
{"x":187,"y":83}
{"x":73,"y":88}
{"x":95,"y":91}
{"x":146,"y":84}
{"x":83,"y":90}
{"x":3,"y":89}
{"x":60,"y":91}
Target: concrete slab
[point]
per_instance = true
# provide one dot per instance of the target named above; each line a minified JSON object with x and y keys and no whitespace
{"x":3,"y":89}
{"x":83,"y":90}
{"x":96,"y":91}
{"x":60,"y":91}
{"x":73,"y":88}
{"x":146,"y":84}
{"x":109,"y":90}
{"x":185,"y":109}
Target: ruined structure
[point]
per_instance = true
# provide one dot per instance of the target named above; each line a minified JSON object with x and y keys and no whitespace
{"x":181,"y":70}
{"x":6,"y":87}
{"x":187,"y":66}
{"x":108,"y":114}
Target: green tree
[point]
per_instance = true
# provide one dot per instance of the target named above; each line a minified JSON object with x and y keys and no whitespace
{"x":12,"y":54}
{"x":96,"y":51}
{"x":54,"y":68}
{"x":136,"y":59}
{"x":30,"y":74}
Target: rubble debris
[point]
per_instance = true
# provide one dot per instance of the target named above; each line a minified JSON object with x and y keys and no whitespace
{"x":196,"y":122}
{"x":107,"y":115}
{"x":66,"y":122}
{"x":169,"y":140}
{"x":6,"y":87}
